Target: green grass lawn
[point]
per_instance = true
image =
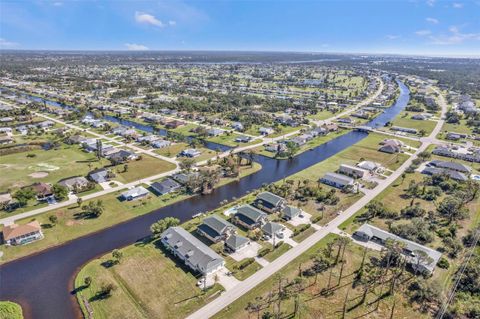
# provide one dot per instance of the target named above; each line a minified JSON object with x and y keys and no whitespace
{"x":150,"y":283}
{"x":229,"y":140}
{"x":457,"y":128}
{"x":57,"y":164}
{"x":145,"y":167}
{"x":185,"y":129}
{"x":71,"y":226}
{"x":406,"y":121}
{"x":244,"y":273}
{"x":172,"y":150}
{"x":322,"y":115}
{"x":315,"y":305}
{"x":393,"y":197}
{"x":277,"y":252}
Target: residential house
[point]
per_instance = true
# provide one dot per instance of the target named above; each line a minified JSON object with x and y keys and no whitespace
{"x":243,"y":139}
{"x":190,"y":152}
{"x":368,"y":165}
{"x":337,"y":180}
{"x":195,"y":254}
{"x":134,"y":193}
{"x":266,"y":130}
{"x":249,"y":217}
{"x":272,"y":229}
{"x":404,"y":129}
{"x":122,"y":156}
{"x":237,"y":126}
{"x":42,"y":190}
{"x":443,"y":171}
{"x":100,"y":175}
{"x":76,"y":184}
{"x":452,"y":165}
{"x":412,"y":250}
{"x":22,"y":234}
{"x":269,"y":202}
{"x":236,"y":243}
{"x":215,"y":229}
{"x":391,"y":146}
{"x":161,"y":143}
{"x":290,"y":212}
{"x":6,"y":139}
{"x":352,"y":171}
{"x":166,"y":186}
{"x":214,"y":132}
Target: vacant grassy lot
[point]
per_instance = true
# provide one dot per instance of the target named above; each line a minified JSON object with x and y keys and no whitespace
{"x":173,"y":150}
{"x":404,"y":120}
{"x":145,"y":167}
{"x":71,"y":224}
{"x":457,"y":128}
{"x":149,"y":283}
{"x":18,"y":170}
{"x":313,"y":304}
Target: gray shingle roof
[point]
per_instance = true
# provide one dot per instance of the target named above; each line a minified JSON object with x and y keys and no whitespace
{"x":452,"y":165}
{"x":250,"y":212}
{"x":271,"y":228}
{"x":410,"y":245}
{"x":217,"y":224}
{"x":270,"y":198}
{"x":236,"y":241}
{"x":338,"y":179}
{"x":291,"y":211}
{"x":202,"y":257}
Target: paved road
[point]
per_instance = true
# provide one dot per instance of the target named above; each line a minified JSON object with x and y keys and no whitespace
{"x":265,"y":140}
{"x":112,"y":140}
{"x":363,"y":103}
{"x":245,"y":286}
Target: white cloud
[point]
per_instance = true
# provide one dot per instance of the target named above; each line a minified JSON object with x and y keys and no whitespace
{"x":172,"y":23}
{"x":136,"y":47}
{"x":457,"y":5}
{"x":432,"y":20}
{"x":423,"y":32}
{"x":392,"y":36}
{"x":431,"y":3}
{"x":5,"y":44}
{"x":455,"y":36}
{"x":145,"y":18}
{"x":57,"y":4}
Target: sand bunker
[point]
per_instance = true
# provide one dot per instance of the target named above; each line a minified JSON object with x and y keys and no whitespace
{"x":38,"y":175}
{"x":44,"y":167}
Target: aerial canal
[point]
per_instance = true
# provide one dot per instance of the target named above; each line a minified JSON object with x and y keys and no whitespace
{"x":42,"y":283}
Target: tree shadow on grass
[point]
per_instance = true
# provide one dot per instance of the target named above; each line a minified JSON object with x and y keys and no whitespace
{"x":78,"y":289}
{"x":99,"y":296}
{"x":109,"y":263}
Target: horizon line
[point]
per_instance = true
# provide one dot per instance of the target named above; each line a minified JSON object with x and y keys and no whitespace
{"x":431,"y":55}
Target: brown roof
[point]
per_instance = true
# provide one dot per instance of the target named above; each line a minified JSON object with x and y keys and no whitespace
{"x":42,"y":188}
{"x":14,"y":230}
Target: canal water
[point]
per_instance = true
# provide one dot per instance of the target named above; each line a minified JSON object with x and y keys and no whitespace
{"x":42,"y":283}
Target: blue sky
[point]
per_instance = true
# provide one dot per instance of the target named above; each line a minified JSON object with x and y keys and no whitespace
{"x":430,"y":27}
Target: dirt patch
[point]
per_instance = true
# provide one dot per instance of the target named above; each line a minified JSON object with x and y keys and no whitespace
{"x":72,"y":223}
{"x":38,"y":174}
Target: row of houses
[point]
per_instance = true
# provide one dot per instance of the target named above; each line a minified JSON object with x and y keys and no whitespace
{"x":201,"y":258}
{"x":471,"y":155}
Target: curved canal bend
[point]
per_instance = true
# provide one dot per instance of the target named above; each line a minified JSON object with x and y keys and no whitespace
{"x":42,"y":282}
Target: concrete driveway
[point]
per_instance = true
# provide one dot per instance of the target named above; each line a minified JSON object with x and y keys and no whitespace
{"x":305,"y":219}
{"x":247,"y":252}
{"x":228,"y":282}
